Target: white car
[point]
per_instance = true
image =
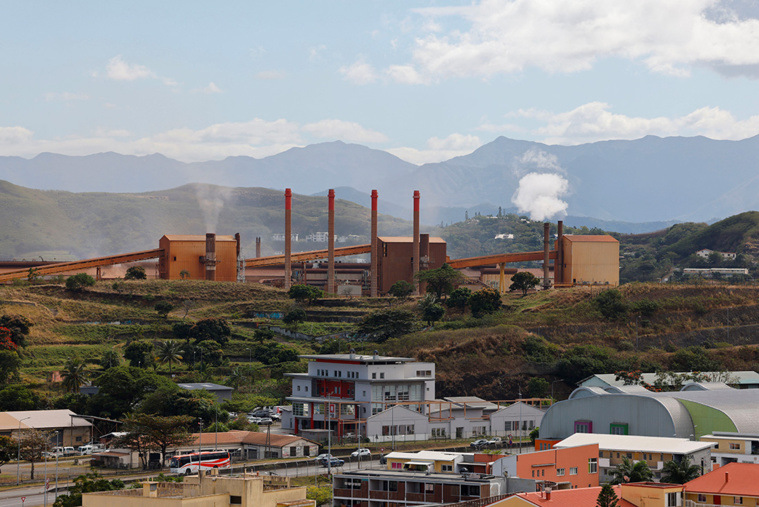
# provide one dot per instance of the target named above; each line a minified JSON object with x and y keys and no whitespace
{"x":323,"y":457}
{"x":362,"y":452}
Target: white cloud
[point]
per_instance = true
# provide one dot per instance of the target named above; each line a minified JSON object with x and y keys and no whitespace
{"x":438,"y":149}
{"x":65,"y":96}
{"x":595,"y":122}
{"x":508,"y":36}
{"x":119,"y":70}
{"x":271,"y":74}
{"x":359,"y":73}
{"x":345,"y":131}
{"x":405,"y":74}
{"x":12,"y":136}
{"x":315,"y":52}
{"x":211,"y":89}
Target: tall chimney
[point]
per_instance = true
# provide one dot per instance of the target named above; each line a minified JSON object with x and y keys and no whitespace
{"x":258,"y":247}
{"x":415,"y":247}
{"x":546,"y":246}
{"x":558,"y":264}
{"x":288,"y":234}
{"x":375,"y":260}
{"x":331,"y":244}
{"x":210,"y":256}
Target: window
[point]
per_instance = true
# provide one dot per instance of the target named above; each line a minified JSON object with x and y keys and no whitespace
{"x":673,"y":499}
{"x":629,"y":455}
{"x":446,"y":468}
{"x":618,"y":429}
{"x":593,"y":466}
{"x":573,"y":471}
{"x":382,"y":374}
{"x":235,"y":500}
{"x":583,"y":427}
{"x":298,"y":388}
{"x":738,"y":500}
{"x":300,"y":409}
{"x":293,"y":451}
{"x":701,"y":498}
{"x":473,"y":491}
{"x":429,"y":488}
{"x":559,"y":472}
{"x":396,"y":465}
{"x":392,"y":485}
{"x":734,"y":446}
{"x":374,"y":375}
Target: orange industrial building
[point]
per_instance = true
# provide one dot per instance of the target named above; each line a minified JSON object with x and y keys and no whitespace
{"x":577,"y":260}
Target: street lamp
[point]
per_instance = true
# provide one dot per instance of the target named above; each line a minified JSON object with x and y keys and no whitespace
{"x":18,"y":457}
{"x":57,"y":433}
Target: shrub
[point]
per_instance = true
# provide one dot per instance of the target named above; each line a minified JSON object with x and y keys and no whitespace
{"x":485,"y":301}
{"x":79,"y":282}
{"x":611,"y":304}
{"x":135,"y":273}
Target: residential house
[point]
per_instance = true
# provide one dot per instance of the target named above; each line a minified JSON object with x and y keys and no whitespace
{"x":733,"y":447}
{"x":733,"y":484}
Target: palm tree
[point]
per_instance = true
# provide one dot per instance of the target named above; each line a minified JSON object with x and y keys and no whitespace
{"x":679,"y":473}
{"x":170,"y":352}
{"x":627,"y":471}
{"x":74,"y":375}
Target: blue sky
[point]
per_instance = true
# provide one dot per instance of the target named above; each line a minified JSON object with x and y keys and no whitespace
{"x":425,"y":81}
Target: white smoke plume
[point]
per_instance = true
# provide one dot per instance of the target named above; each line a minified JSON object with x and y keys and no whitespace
{"x":211,"y":200}
{"x":539,"y":193}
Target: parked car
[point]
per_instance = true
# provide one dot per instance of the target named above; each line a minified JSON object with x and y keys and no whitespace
{"x":334,"y":462}
{"x":62,"y":451}
{"x":362,"y":452}
{"x":322,"y":457}
{"x":481,"y":442}
{"x":495,"y":441}
{"x":254,"y":420}
{"x":90,"y":449}
{"x":265,"y":421}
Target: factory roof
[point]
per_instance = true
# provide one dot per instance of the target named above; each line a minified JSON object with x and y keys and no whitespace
{"x":196,"y":237}
{"x":407,"y":239}
{"x":610,"y":379}
{"x":588,"y":239}
{"x":204,"y":386}
{"x":635,"y":443}
{"x":41,"y":419}
{"x":357,"y":358}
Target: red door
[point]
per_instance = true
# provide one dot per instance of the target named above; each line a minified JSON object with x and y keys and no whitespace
{"x":717,"y":500}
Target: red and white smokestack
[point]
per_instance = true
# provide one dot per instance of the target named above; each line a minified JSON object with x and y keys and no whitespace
{"x":331,"y":244}
{"x":546,"y":246}
{"x":375,"y":260}
{"x":415,"y":247}
{"x":288,"y":235}
{"x":210,"y":256}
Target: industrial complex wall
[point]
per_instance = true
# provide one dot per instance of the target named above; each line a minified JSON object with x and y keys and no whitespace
{"x":183,"y":253}
{"x":591,"y":260}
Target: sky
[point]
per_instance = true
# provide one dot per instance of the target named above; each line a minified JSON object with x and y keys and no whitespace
{"x":423,"y":80}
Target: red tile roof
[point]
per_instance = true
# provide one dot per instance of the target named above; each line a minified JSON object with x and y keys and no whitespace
{"x":580,"y":497}
{"x":733,"y":479}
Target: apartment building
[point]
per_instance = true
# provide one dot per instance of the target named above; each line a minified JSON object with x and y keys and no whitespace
{"x":733,"y":447}
{"x":655,"y":451}
{"x":566,"y":468}
{"x":340,"y":391}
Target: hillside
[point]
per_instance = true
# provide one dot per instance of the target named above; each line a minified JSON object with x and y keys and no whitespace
{"x":554,"y":335}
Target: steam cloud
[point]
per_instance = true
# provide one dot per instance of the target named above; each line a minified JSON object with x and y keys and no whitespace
{"x":211,"y":200}
{"x":539,"y":195}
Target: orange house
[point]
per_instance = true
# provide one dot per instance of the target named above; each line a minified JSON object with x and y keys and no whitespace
{"x":572,"y":467}
{"x":732,"y":484}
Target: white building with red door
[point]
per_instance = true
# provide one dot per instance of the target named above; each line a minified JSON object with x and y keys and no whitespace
{"x":340,"y":391}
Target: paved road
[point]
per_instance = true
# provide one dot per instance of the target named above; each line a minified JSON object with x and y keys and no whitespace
{"x":35,"y":496}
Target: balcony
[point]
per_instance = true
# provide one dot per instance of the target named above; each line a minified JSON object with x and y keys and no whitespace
{"x":693,"y":503}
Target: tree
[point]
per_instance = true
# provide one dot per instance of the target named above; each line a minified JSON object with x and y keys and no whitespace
{"x":305,"y":293}
{"x":139,"y":353}
{"x":8,"y":450}
{"x":79,"y":282}
{"x":216,"y":329}
{"x":433,"y":313}
{"x":33,"y":444}
{"x":74,"y":374}
{"x":440,"y":281}
{"x":459,"y":298}
{"x":10,"y":362}
{"x":401,"y":290}
{"x":135,"y":273}
{"x":607,"y":497}
{"x":109,"y":359}
{"x":524,"y":281}
{"x":322,"y":495}
{"x":534,"y":434}
{"x":484,"y":301}
{"x":181,"y":330}
{"x":611,"y":304}
{"x":627,"y":471}
{"x":19,"y":327}
{"x":295,"y":316}
{"x":538,"y":387}
{"x":163,"y":308}
{"x":122,"y":388}
{"x":184,"y":274}
{"x":87,"y":483}
{"x":382,"y":324}
{"x":18,"y":397}
{"x":159,"y":432}
{"x":169,"y":352}
{"x":680,"y":472}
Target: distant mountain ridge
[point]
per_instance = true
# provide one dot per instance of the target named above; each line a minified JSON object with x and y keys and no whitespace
{"x":645,"y":180}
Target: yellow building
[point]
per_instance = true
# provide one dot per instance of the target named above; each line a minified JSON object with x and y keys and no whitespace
{"x":638,"y":494}
{"x":418,"y":461}
{"x":589,"y":260}
{"x":206,"y":491}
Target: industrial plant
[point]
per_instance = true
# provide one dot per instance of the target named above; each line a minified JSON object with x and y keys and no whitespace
{"x":571,"y":260}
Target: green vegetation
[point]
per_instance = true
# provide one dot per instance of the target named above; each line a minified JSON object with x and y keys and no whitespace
{"x":524,"y":281}
{"x":79,"y":282}
{"x":627,"y":471}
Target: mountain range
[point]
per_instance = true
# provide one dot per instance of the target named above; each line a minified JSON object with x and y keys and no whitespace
{"x":645,"y":180}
